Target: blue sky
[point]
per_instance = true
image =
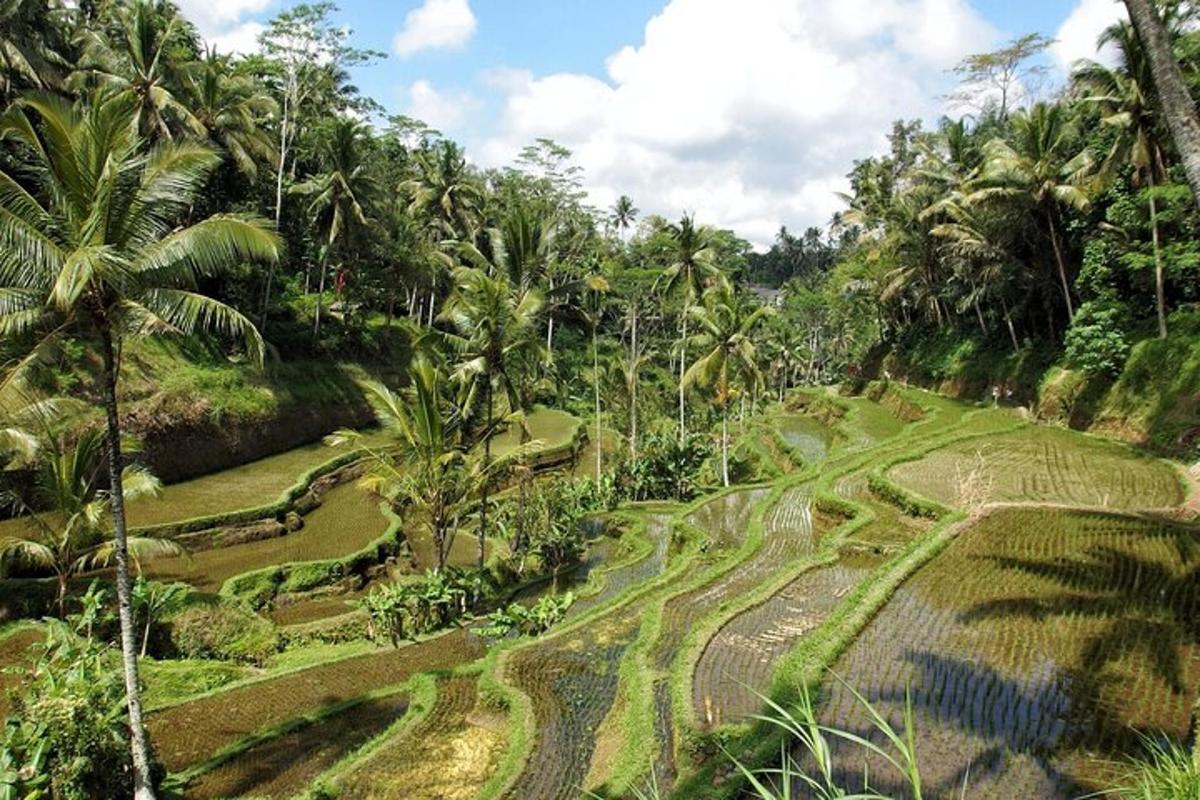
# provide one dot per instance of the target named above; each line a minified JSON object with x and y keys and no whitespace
{"x":746,"y":112}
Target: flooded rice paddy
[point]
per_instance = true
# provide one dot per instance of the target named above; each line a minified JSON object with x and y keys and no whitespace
{"x":1037,"y":643}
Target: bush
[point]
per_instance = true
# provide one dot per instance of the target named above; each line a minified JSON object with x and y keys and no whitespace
{"x":664,"y":469}
{"x":67,"y":737}
{"x":223,"y":631}
{"x":1095,"y":342}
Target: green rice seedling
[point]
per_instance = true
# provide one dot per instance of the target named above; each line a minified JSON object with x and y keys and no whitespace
{"x":1168,"y":771}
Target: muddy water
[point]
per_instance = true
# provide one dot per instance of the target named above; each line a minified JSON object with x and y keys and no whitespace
{"x":806,"y":437}
{"x":16,"y":650}
{"x":1035,"y":642}
{"x":191,"y":732}
{"x":285,"y":766}
{"x":346,"y":521}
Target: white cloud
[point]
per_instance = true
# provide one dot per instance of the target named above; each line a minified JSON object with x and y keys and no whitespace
{"x":748,"y":113}
{"x":224,"y":23}
{"x":435,"y":24}
{"x":1078,"y":34}
{"x":437,"y":109}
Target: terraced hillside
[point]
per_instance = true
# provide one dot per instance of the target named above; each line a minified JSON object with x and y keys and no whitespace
{"x":1024,"y":586}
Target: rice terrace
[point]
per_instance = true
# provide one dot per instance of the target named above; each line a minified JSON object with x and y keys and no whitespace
{"x":361,"y":438}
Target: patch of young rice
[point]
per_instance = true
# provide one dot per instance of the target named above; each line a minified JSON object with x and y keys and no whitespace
{"x":1042,"y":465}
{"x":188,"y":733}
{"x":805,"y":436}
{"x":449,"y":755}
{"x":284,"y":766}
{"x":616,"y":581}
{"x":1038,"y":641}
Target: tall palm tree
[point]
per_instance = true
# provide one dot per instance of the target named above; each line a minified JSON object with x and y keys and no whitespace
{"x":1169,"y":84}
{"x":140,"y":60}
{"x":231,"y":109}
{"x":339,"y":196}
{"x":1044,"y":168}
{"x":448,"y":201}
{"x":424,"y":471}
{"x":90,"y":245}
{"x":33,"y":46}
{"x":494,"y":333}
{"x":623,"y":214}
{"x":74,"y":532}
{"x":1126,"y":96}
{"x":595,"y":288}
{"x":692,"y":267}
{"x":730,"y":360}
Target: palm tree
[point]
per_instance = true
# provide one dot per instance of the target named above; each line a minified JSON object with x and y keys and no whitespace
{"x":595,"y":288}
{"x":1170,"y":86}
{"x":446,"y":198}
{"x":434,"y":480}
{"x":231,"y":109}
{"x":493,"y":333}
{"x":32,"y":46}
{"x":1126,"y":96}
{"x":140,"y":61}
{"x":726,"y":336}
{"x":338,"y":196}
{"x":693,"y":267}
{"x":623,"y":214}
{"x":1043,"y":168}
{"x":90,"y":246}
{"x":74,"y":534}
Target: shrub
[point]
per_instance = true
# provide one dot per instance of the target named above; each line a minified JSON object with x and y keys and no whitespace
{"x":223,"y":631}
{"x":67,"y":737}
{"x":519,"y":620}
{"x":1095,"y":342}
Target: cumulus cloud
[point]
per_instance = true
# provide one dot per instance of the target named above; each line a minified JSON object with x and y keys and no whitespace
{"x":1078,"y":34}
{"x":224,"y":23}
{"x":748,"y":114}
{"x":437,"y":109}
{"x":435,"y":24}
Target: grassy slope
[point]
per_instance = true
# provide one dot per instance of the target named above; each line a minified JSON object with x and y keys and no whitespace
{"x":1154,"y":401}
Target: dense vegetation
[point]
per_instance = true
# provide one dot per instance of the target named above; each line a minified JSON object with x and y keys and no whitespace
{"x":206,"y":238}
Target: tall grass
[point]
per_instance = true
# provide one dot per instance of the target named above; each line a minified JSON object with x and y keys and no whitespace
{"x":1168,"y":771}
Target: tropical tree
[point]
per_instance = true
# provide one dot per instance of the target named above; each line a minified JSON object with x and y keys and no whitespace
{"x":433,"y":480}
{"x":1126,"y":96}
{"x":691,"y":268}
{"x":1170,"y":86}
{"x":493,"y":333}
{"x":338,"y":197}
{"x":1045,"y":169}
{"x":73,"y":534}
{"x":444,"y":193}
{"x":595,"y":288}
{"x":231,"y":109}
{"x":623,"y":214}
{"x":33,"y":45}
{"x":730,"y":360}
{"x":90,"y":245}
{"x":141,"y":60}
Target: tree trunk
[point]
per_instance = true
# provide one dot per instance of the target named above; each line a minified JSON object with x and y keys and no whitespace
{"x":139,"y":745}
{"x":487,"y":482}
{"x":979,"y":315}
{"x":283,"y":149}
{"x":1171,"y":87}
{"x":633,"y":388}
{"x":725,"y":443}
{"x":1062,"y":267}
{"x":1160,"y":293}
{"x":146,"y":634}
{"x":596,"y":390}
{"x":430,"y":321}
{"x":682,"y":370}
{"x":320,"y":294}
{"x":1012,"y":332}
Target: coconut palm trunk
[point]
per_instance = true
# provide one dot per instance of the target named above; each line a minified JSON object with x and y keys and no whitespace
{"x":1177,"y":104}
{"x":596,"y":391}
{"x":139,"y":744}
{"x":725,"y":442}
{"x":1062,"y":266}
{"x":682,"y":370}
{"x":320,"y":293}
{"x":633,"y":387}
{"x":1160,"y":294}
